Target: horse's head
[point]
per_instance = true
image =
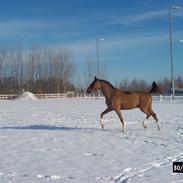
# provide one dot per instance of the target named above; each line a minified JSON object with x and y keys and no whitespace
{"x":95,"y":85}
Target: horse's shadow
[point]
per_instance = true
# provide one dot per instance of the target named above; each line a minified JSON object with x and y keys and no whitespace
{"x":49,"y":128}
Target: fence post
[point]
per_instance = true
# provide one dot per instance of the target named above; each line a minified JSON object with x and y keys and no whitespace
{"x":161,"y":97}
{"x":171,"y":98}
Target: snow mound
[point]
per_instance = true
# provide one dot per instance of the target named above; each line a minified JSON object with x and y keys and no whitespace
{"x":27,"y":96}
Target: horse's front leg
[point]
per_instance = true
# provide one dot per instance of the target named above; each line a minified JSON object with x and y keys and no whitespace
{"x":102,"y":114}
{"x":121,"y":119}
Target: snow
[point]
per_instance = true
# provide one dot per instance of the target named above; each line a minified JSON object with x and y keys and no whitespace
{"x":60,"y":140}
{"x":27,"y":96}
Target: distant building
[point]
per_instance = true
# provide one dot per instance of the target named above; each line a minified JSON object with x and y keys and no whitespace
{"x":178,"y":91}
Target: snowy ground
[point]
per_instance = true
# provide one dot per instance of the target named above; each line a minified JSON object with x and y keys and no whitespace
{"x":60,"y":140}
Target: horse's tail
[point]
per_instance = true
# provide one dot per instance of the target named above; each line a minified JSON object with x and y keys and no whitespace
{"x":155,"y":88}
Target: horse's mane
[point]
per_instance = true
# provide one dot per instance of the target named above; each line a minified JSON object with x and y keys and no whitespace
{"x":104,"y":81}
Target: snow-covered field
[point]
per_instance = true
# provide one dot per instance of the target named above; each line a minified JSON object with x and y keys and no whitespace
{"x":60,"y":140}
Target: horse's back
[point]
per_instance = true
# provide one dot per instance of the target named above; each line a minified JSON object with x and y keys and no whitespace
{"x":130,"y":100}
{"x":125,"y":100}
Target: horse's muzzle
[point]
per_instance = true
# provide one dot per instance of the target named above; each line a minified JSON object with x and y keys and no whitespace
{"x":88,"y":90}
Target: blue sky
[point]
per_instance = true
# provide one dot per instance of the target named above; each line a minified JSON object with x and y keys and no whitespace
{"x":136,"y":33}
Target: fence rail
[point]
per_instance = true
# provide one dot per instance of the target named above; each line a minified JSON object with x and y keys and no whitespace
{"x":8,"y":97}
{"x":167,"y":97}
{"x":49,"y":95}
{"x":71,"y":94}
{"x":40,"y":96}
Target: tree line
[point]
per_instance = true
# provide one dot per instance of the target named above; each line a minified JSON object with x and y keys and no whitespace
{"x":38,"y":70}
{"x":44,"y":70}
{"x":142,"y":85}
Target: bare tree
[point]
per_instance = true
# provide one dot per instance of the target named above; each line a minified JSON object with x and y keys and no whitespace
{"x":90,"y":71}
{"x":36,"y":70}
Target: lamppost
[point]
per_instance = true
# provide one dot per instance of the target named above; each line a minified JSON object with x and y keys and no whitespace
{"x":98,"y":66}
{"x":171,"y":50}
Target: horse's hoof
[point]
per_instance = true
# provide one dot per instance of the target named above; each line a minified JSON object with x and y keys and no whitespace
{"x":124,"y":130}
{"x":102,"y":126}
{"x":144,"y":125}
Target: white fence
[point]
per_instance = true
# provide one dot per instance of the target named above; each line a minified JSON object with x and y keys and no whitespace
{"x":167,"y":97}
{"x":71,"y":95}
{"x":154,"y":97}
{"x":8,"y":97}
{"x":49,"y":95}
{"x":40,"y":96}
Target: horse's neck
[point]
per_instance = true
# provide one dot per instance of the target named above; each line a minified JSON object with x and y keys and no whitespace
{"x":106,"y":90}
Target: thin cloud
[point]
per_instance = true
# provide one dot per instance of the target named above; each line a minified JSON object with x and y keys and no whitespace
{"x":22,"y":28}
{"x":87,"y":48}
{"x":141,"y":17}
{"x":52,"y":28}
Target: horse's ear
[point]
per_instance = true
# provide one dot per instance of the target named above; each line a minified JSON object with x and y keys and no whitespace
{"x":95,"y":78}
{"x":154,"y":84}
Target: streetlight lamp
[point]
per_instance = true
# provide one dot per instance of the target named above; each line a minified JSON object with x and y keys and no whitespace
{"x":171,"y":50}
{"x":98,"y":66}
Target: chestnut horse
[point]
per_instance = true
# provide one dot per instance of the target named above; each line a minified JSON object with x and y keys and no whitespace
{"x":117,"y":100}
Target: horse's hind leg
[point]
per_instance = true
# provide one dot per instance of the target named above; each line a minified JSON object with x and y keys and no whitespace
{"x":147,"y":111}
{"x":150,"y":112}
{"x":156,"y":119}
{"x":145,"y":121}
{"x":121,"y":119}
{"x":101,"y":116}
